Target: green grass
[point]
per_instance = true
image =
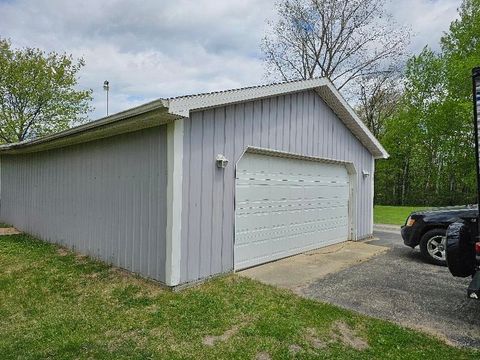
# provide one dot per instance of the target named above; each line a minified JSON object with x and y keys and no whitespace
{"x":3,"y":225}
{"x":55,"y":305}
{"x":394,"y":215}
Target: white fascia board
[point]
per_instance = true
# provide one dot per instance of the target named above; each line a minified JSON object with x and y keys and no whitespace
{"x":174,"y":202}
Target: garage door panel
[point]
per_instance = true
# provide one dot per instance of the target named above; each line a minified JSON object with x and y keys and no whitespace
{"x":252,"y":191}
{"x":321,"y":227}
{"x":286,"y":206}
{"x":335,"y":206}
{"x":279,"y":247}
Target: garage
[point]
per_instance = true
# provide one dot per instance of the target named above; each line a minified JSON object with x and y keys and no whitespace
{"x":185,"y":188}
{"x":285,"y":206}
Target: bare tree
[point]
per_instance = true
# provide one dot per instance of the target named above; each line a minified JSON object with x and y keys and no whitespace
{"x":338,"y":39}
{"x":378,"y":100}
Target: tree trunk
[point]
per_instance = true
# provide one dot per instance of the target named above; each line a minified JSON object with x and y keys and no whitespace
{"x":404,"y":182}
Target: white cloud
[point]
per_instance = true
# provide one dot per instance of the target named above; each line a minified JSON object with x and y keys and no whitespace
{"x":154,"y":48}
{"x":428,"y":19}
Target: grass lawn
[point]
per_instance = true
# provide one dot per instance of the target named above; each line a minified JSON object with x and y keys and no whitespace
{"x":394,"y":215}
{"x":56,"y":305}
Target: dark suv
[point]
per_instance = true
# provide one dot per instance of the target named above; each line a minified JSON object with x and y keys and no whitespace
{"x":428,"y":229}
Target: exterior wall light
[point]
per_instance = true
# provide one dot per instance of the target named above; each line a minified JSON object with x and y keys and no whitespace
{"x":221,"y":161}
{"x":365,"y":173}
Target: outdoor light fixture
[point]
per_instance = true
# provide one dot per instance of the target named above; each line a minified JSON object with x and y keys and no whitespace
{"x":221,"y":161}
{"x":106,"y":87}
{"x":365,"y":173}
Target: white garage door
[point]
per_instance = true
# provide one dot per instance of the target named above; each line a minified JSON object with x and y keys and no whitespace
{"x":285,"y":206}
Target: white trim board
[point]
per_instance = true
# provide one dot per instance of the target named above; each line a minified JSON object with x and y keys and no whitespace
{"x":174,"y":202}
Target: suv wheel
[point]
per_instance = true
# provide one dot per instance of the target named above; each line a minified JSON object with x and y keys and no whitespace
{"x":433,"y":246}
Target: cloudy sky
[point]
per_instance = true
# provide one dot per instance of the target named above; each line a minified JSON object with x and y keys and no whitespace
{"x":156,"y":48}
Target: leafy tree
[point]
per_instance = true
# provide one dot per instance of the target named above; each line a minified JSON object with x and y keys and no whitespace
{"x":37,"y":93}
{"x":409,"y":136}
{"x":461,"y":48}
{"x":430,"y":137}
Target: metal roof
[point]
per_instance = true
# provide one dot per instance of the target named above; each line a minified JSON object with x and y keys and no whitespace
{"x":166,"y":110}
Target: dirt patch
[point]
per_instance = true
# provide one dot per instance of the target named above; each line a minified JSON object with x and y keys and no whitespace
{"x":294,"y":349}
{"x":127,"y":277}
{"x":120,"y":272}
{"x":81,"y":259}
{"x":345,"y":334}
{"x":263,"y":356}
{"x":164,"y":337}
{"x":9,"y":231}
{"x":117,"y":338}
{"x":92,"y":275}
{"x":312,"y":337}
{"x":152,"y":309}
{"x":63,"y":251}
{"x":210,"y":340}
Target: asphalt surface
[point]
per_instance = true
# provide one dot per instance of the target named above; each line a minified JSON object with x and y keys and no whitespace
{"x":399,"y":286}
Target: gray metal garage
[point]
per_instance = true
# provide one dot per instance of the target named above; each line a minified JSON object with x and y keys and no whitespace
{"x":185,"y":188}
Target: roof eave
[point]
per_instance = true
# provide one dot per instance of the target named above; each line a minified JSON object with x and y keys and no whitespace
{"x":151,"y":114}
{"x":183,"y":105}
{"x":344,"y":111}
{"x":162,"y":111}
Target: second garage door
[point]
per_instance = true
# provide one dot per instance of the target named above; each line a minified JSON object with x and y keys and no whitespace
{"x":285,"y":206}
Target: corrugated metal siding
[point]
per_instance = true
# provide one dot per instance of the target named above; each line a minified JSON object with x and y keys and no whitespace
{"x":299,"y":123}
{"x":105,"y":198}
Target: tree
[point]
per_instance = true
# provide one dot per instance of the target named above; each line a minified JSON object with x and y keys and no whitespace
{"x":341,"y":40}
{"x":430,"y":138}
{"x":409,"y":136}
{"x":37,"y":93}
{"x":378,"y":101}
{"x":461,"y":48}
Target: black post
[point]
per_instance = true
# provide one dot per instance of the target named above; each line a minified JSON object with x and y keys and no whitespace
{"x":476,"y":111}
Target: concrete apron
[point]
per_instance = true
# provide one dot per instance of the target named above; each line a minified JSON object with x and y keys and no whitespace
{"x":297,"y":272}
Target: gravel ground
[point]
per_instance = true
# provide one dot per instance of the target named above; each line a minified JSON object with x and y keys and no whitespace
{"x":399,"y":286}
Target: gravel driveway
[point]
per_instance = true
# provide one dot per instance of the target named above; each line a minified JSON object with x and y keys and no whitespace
{"x":399,"y":286}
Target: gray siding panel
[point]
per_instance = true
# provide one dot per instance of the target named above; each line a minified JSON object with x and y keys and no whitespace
{"x":105,"y":198}
{"x":300,"y":123}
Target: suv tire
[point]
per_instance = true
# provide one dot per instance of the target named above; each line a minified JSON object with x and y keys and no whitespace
{"x":433,"y":246}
